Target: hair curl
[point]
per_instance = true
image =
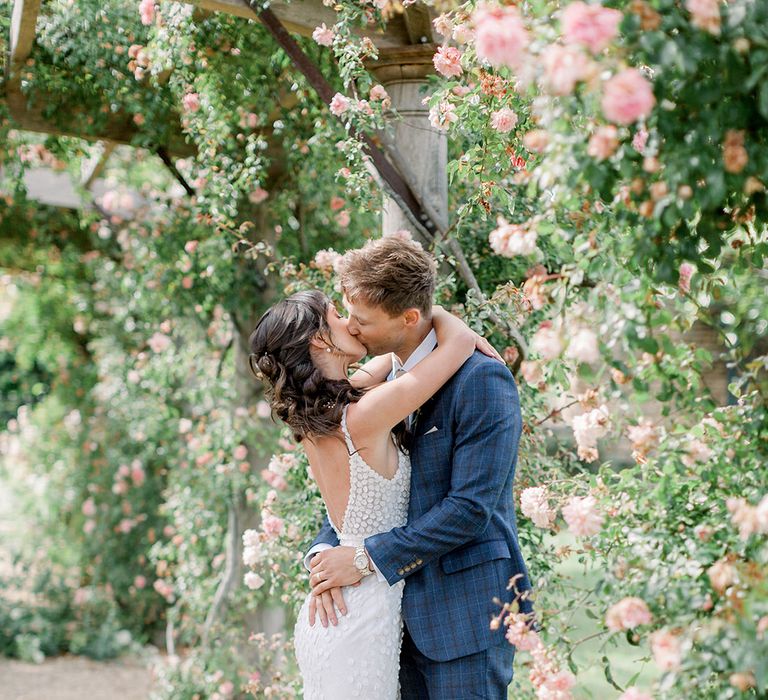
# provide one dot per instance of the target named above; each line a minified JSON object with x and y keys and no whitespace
{"x":298,"y":392}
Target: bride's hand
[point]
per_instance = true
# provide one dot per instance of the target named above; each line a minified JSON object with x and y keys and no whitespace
{"x":440,"y":315}
{"x":324,"y":607}
{"x":333,"y":568}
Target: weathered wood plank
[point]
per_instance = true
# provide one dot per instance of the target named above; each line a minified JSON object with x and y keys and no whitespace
{"x":302,"y":16}
{"x":23,"y":24}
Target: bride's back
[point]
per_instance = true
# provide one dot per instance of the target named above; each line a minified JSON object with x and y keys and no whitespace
{"x":370,"y":473}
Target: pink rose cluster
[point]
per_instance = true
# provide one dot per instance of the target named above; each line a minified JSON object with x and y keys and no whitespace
{"x":548,"y":679}
{"x":328,"y":260}
{"x":500,"y":35}
{"x":644,"y":437}
{"x":627,"y":614}
{"x":582,"y":516}
{"x":442,"y":115}
{"x":510,"y":240}
{"x":587,"y":429}
{"x":751,"y":520}
{"x":590,"y":25}
{"x":534,"y":503}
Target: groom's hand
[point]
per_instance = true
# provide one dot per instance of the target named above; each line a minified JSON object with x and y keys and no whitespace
{"x":333,"y":568}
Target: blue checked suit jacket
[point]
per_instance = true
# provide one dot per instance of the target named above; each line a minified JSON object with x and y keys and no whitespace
{"x":460,"y":547}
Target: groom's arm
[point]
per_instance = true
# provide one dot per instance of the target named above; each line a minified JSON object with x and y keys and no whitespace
{"x":487,"y":437}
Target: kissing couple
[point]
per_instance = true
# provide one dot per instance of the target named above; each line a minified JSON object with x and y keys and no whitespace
{"x":414,"y":454}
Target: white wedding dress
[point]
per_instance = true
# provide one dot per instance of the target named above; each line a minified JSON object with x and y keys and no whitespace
{"x":360,"y":657}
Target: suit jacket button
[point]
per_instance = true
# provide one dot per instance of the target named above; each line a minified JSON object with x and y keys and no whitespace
{"x":400,"y":572}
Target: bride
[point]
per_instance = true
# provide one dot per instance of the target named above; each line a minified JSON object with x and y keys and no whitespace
{"x":353,"y":430}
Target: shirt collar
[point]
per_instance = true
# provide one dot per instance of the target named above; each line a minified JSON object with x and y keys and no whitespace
{"x":425,"y":347}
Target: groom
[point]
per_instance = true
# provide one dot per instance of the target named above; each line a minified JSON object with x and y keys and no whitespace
{"x":459,"y":549}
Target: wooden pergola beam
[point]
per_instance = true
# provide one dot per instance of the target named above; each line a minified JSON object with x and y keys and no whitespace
{"x":23,"y":24}
{"x":301,"y":17}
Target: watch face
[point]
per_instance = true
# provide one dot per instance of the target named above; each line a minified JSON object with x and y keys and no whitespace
{"x":361,"y":562}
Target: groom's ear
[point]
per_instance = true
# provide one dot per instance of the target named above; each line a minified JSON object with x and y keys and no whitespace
{"x":412,"y":317}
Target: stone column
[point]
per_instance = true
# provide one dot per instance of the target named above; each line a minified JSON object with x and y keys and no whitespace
{"x":419,"y":150}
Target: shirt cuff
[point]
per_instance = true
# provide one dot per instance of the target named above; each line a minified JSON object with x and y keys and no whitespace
{"x":321,"y":547}
{"x":379,"y":575}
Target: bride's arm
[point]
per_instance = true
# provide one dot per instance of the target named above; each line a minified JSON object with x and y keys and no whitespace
{"x":386,"y":405}
{"x":373,"y":372}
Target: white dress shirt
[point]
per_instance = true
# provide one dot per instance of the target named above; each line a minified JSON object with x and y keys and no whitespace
{"x":424,"y":348}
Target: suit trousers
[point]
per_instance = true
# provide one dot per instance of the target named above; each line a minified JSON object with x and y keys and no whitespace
{"x":486,"y":674}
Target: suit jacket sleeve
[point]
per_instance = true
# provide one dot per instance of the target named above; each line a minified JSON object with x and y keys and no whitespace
{"x":486,"y":439}
{"x":327,"y":535}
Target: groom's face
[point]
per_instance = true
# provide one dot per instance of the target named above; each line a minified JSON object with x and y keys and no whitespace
{"x":375,"y":328}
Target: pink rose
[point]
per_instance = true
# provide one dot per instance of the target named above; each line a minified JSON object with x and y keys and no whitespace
{"x":627,"y":97}
{"x":583,"y":347}
{"x":536,"y":140}
{"x":639,"y":140}
{"x":511,"y":240}
{"x":140,"y":582}
{"x":379,"y":94}
{"x":592,"y":26}
{"x":240,"y":452}
{"x":89,"y":508}
{"x":447,"y":61}
{"x":534,"y":503}
{"x":504,"y":120}
{"x":336,"y":203}
{"x":147,"y":11}
{"x":644,"y":437}
{"x":705,"y":15}
{"x":273,"y":526}
{"x":343,"y":218}
{"x":500,"y":36}
{"x":547,"y":341}
{"x":443,"y":25}
{"x":722,"y":574}
{"x":627,"y":614}
{"x":253,"y":580}
{"x":159,"y":342}
{"x":191,"y":102}
{"x":532,"y":373}
{"x":564,"y":66}
{"x":587,"y":429}
{"x":258,"y":195}
{"x":519,"y":633}
{"x":339,"y":104}
{"x":582,"y":516}
{"x":603,"y":143}
{"x":442,"y":115}
{"x":191,"y":246}
{"x":138,"y":475}
{"x":323,"y":35}
{"x":327,"y":261}
{"x":665,"y":648}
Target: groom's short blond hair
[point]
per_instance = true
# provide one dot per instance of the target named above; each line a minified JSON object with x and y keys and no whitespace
{"x":391,"y":272}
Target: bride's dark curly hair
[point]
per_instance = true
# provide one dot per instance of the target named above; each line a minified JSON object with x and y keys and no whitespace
{"x":308,"y":402}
